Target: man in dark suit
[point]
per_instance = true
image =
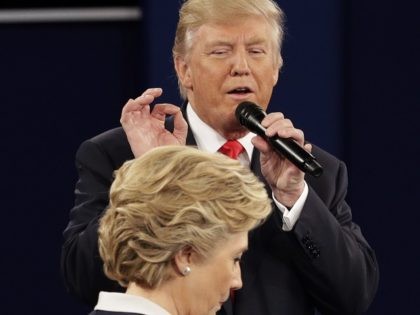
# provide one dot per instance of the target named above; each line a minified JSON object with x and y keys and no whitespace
{"x":309,"y":255}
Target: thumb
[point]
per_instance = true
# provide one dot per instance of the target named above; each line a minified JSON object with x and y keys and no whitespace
{"x":180,"y":128}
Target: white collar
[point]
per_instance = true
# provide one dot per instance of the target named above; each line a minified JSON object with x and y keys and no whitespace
{"x":209,"y":140}
{"x":122,"y":302}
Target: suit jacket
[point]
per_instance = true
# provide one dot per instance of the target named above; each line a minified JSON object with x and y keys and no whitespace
{"x":324,"y":263}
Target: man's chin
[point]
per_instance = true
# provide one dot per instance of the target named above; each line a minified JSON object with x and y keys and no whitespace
{"x":236,"y":131}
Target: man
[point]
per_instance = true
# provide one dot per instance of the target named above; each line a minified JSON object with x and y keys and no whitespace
{"x":308,"y":255}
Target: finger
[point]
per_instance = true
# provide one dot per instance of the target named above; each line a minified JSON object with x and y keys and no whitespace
{"x":308,"y":147}
{"x":137,"y":104}
{"x":261,"y":144}
{"x":161,"y":110}
{"x":278,"y":125}
{"x":130,"y":116}
{"x":155,"y":92}
{"x":271,"y":118}
{"x":293,"y":133}
{"x":283,"y":128}
{"x":146,"y":98}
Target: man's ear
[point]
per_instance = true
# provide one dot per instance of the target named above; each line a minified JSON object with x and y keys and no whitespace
{"x":183,"y":71}
{"x":276,"y":72}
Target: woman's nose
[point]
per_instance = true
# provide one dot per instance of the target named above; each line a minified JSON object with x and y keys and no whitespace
{"x":237,"y":279}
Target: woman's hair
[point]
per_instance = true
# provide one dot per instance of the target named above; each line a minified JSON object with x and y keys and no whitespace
{"x":171,"y":198}
{"x":195,"y":13}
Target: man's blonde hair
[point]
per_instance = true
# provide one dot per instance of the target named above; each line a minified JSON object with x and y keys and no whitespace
{"x":195,"y":13}
{"x":171,"y":198}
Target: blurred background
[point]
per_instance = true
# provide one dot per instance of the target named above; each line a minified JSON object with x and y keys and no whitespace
{"x":351,"y":81}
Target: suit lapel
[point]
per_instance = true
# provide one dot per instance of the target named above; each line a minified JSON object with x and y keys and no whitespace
{"x":256,"y":169}
{"x":190,"y":137}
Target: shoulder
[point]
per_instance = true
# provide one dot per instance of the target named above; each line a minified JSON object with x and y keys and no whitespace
{"x":110,"y":140}
{"x":334,"y":176}
{"x":111,"y":145}
{"x":329,"y":161}
{"x":112,"y":137}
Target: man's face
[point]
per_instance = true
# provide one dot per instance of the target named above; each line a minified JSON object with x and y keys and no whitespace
{"x":229,"y":63}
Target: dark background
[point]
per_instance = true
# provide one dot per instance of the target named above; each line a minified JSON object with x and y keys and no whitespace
{"x":350,"y":81}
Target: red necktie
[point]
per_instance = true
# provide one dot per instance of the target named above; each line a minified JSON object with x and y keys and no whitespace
{"x":232,"y":148}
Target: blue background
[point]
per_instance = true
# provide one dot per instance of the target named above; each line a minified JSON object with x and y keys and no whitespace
{"x":350,"y":80}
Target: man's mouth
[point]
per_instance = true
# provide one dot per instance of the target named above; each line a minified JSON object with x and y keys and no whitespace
{"x":240,"y":90}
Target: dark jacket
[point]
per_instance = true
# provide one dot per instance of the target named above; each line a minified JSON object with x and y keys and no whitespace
{"x":324,"y":263}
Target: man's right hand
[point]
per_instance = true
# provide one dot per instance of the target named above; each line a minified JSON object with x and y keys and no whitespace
{"x":145,"y":129}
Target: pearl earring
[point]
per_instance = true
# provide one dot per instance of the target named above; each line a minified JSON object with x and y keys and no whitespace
{"x":186,"y":271}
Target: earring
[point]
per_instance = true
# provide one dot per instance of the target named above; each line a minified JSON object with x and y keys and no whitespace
{"x":186,"y":271}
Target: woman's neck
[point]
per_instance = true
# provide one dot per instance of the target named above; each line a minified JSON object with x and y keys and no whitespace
{"x":161,"y":296}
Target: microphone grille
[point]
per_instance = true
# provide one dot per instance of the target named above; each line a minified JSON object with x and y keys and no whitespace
{"x":248,"y":109}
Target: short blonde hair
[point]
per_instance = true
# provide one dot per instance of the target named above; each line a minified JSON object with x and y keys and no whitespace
{"x":171,"y":198}
{"x":195,"y":13}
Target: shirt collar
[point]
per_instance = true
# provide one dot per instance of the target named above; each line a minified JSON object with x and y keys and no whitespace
{"x":122,"y":302}
{"x":208,"y":139}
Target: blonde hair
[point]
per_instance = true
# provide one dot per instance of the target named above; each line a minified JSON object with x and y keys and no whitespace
{"x":171,"y":198}
{"x":195,"y":13}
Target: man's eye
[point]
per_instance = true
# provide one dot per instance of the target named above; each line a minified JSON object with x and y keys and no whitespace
{"x":256,"y":51}
{"x":219,"y":52}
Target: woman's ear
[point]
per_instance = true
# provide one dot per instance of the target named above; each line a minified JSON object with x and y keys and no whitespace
{"x":183,"y":260}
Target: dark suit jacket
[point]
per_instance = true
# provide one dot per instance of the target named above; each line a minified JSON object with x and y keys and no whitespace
{"x":324,"y":263}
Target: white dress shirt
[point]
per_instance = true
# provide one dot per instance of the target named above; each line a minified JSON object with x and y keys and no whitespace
{"x":122,"y":302}
{"x":209,"y":140}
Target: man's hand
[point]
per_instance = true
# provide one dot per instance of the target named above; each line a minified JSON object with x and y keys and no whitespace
{"x":284,"y":178}
{"x":145,"y":129}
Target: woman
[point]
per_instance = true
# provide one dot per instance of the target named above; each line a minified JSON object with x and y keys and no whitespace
{"x":175,"y":231}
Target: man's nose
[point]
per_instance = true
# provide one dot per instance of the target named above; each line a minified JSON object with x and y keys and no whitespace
{"x":240,"y":65}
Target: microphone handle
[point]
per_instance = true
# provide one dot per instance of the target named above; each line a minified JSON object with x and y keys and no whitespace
{"x":290,"y":149}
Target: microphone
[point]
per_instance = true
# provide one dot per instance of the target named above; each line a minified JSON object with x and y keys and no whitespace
{"x":250,"y":116}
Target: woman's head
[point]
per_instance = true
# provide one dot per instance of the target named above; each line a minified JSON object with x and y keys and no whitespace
{"x":170,"y":200}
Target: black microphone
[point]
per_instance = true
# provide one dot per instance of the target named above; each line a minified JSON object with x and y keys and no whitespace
{"x":250,"y":116}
